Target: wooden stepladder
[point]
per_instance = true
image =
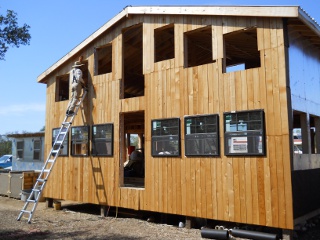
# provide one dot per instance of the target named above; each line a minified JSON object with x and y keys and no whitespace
{"x":48,"y":165}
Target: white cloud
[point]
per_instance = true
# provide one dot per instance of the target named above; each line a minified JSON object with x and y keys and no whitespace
{"x":20,"y":109}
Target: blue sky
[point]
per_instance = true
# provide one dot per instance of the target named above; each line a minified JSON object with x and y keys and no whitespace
{"x":56,"y":28}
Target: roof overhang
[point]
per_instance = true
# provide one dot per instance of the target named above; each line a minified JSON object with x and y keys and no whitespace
{"x":23,"y":135}
{"x":249,"y":11}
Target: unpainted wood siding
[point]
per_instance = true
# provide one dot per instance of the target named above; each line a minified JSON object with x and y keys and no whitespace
{"x":253,"y":190}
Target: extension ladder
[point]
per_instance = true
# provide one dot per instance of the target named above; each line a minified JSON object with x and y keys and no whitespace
{"x":48,"y":165}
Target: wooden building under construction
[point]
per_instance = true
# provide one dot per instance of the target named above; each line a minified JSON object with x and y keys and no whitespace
{"x":207,"y":97}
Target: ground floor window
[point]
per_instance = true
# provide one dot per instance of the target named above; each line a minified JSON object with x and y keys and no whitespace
{"x":166,"y":137}
{"x":201,"y":135}
{"x":244,"y":133}
{"x":102,"y":140}
{"x":80,"y":141}
{"x":64,"y":148}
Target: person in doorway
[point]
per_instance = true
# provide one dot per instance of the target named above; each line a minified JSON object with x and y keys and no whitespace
{"x":77,"y":84}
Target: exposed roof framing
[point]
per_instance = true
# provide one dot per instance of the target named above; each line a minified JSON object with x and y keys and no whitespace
{"x":295,"y":14}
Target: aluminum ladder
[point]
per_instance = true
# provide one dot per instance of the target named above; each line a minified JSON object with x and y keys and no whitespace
{"x":41,"y":181}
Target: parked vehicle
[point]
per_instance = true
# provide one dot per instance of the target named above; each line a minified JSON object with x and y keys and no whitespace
{"x":5,"y":161}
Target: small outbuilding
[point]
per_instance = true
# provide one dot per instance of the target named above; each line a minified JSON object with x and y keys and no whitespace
{"x":27,"y":151}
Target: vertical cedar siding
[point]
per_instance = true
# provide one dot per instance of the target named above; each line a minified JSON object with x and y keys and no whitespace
{"x":253,"y":190}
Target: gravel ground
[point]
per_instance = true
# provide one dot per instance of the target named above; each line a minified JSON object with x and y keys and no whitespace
{"x":78,"y":221}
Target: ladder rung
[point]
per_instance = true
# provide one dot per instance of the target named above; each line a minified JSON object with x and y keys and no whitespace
{"x":33,"y":201}
{"x":36,"y":190}
{"x":66,"y":123}
{"x":46,"y":170}
{"x":26,"y":211}
{"x":51,"y":160}
{"x":41,"y":180}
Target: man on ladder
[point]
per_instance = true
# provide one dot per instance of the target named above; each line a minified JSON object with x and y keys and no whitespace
{"x":76,"y":84}
{"x":73,"y":107}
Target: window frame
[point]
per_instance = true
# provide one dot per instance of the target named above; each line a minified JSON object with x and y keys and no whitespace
{"x":160,"y":40}
{"x":20,"y":149}
{"x":98,"y":69}
{"x":84,"y":142}
{"x":65,"y":142}
{"x":108,"y":140}
{"x":37,"y":150}
{"x":233,"y":40}
{"x":196,"y":42}
{"x":165,"y":138}
{"x":245,"y":134}
{"x":202,"y":137}
{"x":62,"y":88}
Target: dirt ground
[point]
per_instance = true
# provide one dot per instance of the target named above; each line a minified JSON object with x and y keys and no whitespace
{"x":83,"y":221}
{"x":48,"y":223}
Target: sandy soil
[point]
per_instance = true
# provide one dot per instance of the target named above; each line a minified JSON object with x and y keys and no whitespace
{"x":48,"y":223}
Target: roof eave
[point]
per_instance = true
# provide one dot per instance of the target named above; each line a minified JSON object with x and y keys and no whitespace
{"x":310,"y":22}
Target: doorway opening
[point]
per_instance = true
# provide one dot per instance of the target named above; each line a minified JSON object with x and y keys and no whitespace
{"x":132,"y":149}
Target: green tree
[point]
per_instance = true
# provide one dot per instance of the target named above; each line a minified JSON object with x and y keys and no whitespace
{"x":11,"y":34}
{"x":5,"y":145}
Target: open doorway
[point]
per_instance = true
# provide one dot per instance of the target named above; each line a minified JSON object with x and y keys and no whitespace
{"x":132,"y":149}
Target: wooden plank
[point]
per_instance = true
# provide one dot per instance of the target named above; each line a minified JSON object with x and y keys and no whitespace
{"x":287,"y":181}
{"x":238,"y":91}
{"x":178,"y":42}
{"x":198,"y":203}
{"x":266,"y":173}
{"x":250,"y":93}
{"x":80,"y":182}
{"x":236,"y":186}
{"x":164,"y":184}
{"x":226,"y":92}
{"x":225,"y":189}
{"x":242,"y":190}
{"x":274,"y":181}
{"x":195,"y":83}
{"x":256,"y":88}
{"x":192,"y":188}
{"x":255,"y":191}
{"x":232,"y":90}
{"x":261,"y":191}
{"x":220,"y":204}
{"x":280,"y":179}
{"x":248,"y":185}
{"x":170,"y":183}
{"x":208,"y":186}
{"x":214,"y":191}
{"x":148,"y":43}
{"x":202,"y":89}
{"x":230,"y":189}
